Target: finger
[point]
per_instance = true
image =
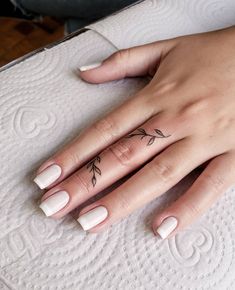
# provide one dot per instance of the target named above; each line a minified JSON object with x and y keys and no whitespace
{"x":136,"y":61}
{"x":113,"y":163}
{"x":160,"y":174}
{"x":92,"y":140}
{"x":215,"y":179}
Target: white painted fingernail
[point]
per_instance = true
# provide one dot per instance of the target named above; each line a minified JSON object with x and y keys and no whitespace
{"x":93,"y":217}
{"x":48,"y":176}
{"x":54,"y":203}
{"x":167,"y":226}
{"x":90,"y":66}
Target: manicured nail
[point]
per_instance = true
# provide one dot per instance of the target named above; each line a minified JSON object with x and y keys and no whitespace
{"x":90,"y":66}
{"x":93,"y":217}
{"x":48,"y":176}
{"x":54,"y":203}
{"x":167,"y":226}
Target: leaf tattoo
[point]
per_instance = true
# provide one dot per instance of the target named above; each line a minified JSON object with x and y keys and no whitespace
{"x":142,"y":133}
{"x":159,"y":132}
{"x":94,"y":169}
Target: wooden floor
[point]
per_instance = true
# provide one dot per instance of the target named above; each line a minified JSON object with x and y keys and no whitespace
{"x":18,"y":37}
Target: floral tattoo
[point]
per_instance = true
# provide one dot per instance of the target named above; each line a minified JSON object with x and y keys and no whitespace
{"x":92,"y":165}
{"x":94,"y":169}
{"x":141,"y":132}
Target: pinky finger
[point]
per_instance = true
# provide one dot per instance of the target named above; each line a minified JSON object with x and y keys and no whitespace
{"x":216,"y":178}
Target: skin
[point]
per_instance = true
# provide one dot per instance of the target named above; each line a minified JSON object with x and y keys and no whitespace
{"x":190,"y":99}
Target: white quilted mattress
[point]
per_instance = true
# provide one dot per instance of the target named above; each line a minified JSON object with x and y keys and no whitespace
{"x":43,"y":104}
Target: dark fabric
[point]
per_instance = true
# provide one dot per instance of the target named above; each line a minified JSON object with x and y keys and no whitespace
{"x":77,"y":13}
{"x":73,"y":24}
{"x":83,"y":9}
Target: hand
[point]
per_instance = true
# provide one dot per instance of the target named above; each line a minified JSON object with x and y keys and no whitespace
{"x":183,"y":118}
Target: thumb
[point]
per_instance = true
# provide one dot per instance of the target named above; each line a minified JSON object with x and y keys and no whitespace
{"x":136,"y":61}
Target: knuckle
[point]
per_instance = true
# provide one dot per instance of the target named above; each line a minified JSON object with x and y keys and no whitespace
{"x":106,"y":128}
{"x":162,"y":170}
{"x":187,"y":116}
{"x":216,"y":183}
{"x":67,"y":158}
{"x":81,"y":182}
{"x":123,"y":152}
{"x":191,"y":110}
{"x":122,"y":55}
{"x":191,"y":208}
{"x":223,"y":123}
{"x":165,"y":88}
{"x":72,"y":157}
{"x":164,"y":92}
{"x":124,"y":203}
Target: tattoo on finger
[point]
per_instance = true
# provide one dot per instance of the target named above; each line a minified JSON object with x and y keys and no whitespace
{"x":94,"y":169}
{"x":142,"y":133}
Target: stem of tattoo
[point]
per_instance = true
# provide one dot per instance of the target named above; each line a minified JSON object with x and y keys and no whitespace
{"x":94,"y":169}
{"x":141,"y":132}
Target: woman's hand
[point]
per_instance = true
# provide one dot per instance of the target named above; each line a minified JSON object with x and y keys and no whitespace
{"x":183,"y":118}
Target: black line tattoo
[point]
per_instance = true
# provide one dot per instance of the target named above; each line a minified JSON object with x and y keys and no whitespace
{"x":94,"y":169}
{"x":141,"y":132}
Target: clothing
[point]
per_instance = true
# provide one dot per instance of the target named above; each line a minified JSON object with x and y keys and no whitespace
{"x":78,"y":13}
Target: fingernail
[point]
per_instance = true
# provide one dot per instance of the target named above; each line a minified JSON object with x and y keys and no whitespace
{"x":90,"y":66}
{"x":93,"y":217}
{"x":54,"y":203}
{"x":48,"y":176}
{"x":167,"y":226}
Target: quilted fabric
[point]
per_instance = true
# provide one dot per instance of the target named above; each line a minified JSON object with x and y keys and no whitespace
{"x":43,"y":104}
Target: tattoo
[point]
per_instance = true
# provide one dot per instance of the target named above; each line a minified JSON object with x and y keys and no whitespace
{"x":141,"y":132}
{"x":94,"y":169}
